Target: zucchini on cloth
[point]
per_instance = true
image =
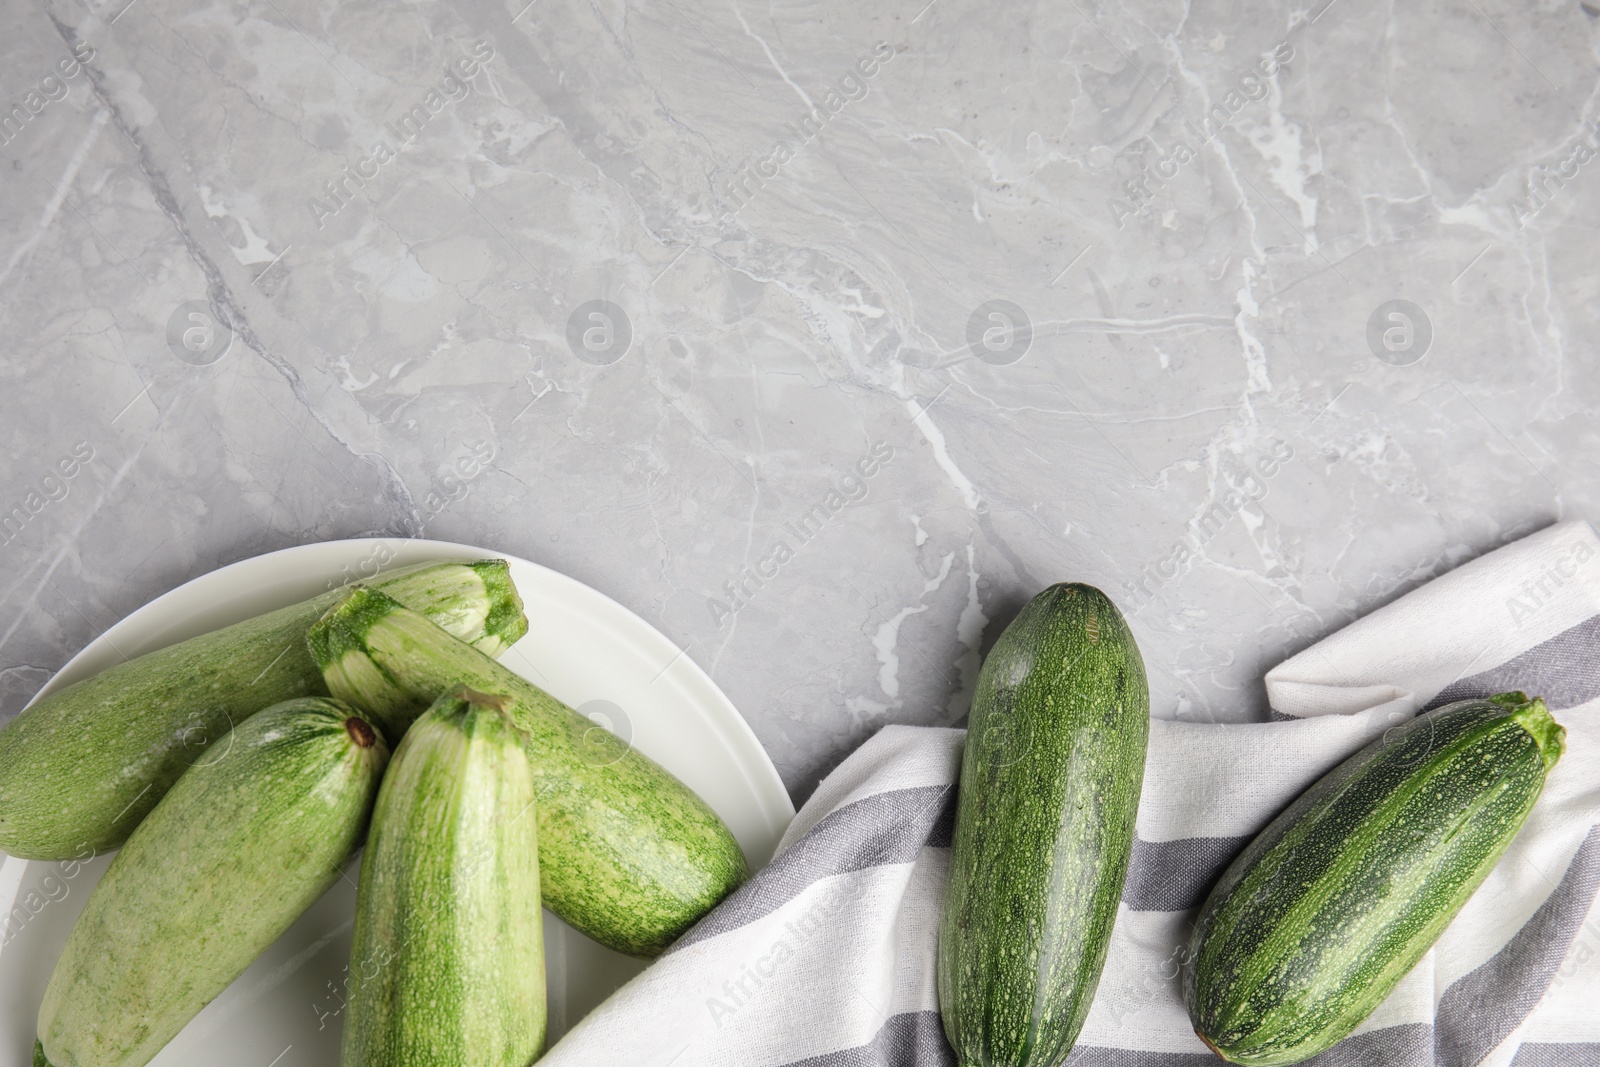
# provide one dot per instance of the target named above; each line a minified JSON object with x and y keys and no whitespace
{"x":1050,"y":782}
{"x":234,"y":853}
{"x":826,"y":955}
{"x":1333,"y":903}
{"x":628,"y":854}
{"x":81,"y":767}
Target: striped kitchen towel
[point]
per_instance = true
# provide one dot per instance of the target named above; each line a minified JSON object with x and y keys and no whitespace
{"x":825,"y":959}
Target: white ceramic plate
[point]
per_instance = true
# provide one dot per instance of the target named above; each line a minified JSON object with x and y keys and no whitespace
{"x":583,"y":647}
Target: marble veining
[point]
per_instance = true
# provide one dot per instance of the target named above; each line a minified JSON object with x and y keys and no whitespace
{"x":821,"y":335}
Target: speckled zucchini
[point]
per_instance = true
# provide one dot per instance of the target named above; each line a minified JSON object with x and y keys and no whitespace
{"x":628,"y":854}
{"x":232,"y":855}
{"x":1338,"y":898}
{"x":81,"y":767}
{"x":1050,"y":785}
{"x":447,"y":967}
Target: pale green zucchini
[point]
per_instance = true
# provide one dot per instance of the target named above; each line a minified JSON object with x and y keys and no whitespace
{"x":81,"y":767}
{"x":447,"y":967}
{"x":232,"y":855}
{"x":628,"y":854}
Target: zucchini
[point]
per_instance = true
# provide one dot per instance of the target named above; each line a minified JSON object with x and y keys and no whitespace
{"x":628,"y":854}
{"x":81,"y":767}
{"x":232,"y":855}
{"x":1050,"y":781}
{"x":447,"y":965}
{"x":1332,"y":904}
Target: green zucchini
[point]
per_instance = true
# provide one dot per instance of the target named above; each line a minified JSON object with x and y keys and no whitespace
{"x":628,"y":854}
{"x":81,"y":767}
{"x":232,"y":855}
{"x":1050,"y":781}
{"x":1332,"y":904}
{"x":447,"y":967}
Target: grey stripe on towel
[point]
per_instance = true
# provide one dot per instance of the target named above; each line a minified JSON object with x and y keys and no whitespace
{"x":1407,"y":1045}
{"x":1394,"y":1046}
{"x":914,"y":1039}
{"x":1176,"y":875}
{"x":885,"y":828}
{"x":1563,"y":670}
{"x":1482,"y":1008}
{"x":1581,"y":1055}
{"x":1100,"y":1056}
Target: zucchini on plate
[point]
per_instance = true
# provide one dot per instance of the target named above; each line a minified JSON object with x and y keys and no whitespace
{"x":82,"y":766}
{"x":628,"y":854}
{"x":448,"y":960}
{"x":234,"y":853}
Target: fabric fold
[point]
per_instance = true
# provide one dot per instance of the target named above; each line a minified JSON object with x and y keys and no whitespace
{"x":825,"y":959}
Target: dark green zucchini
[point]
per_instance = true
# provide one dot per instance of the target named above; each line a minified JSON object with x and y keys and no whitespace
{"x":1338,"y":898}
{"x":1050,"y":785}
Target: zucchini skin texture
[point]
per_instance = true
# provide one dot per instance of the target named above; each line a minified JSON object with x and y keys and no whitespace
{"x":81,"y":767}
{"x":628,"y":854}
{"x":1050,"y":782}
{"x":231,"y":857}
{"x":447,"y":965}
{"x":1330,"y":906}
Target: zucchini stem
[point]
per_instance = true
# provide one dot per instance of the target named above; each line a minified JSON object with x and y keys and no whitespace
{"x":360,"y":732}
{"x":1534,"y":717}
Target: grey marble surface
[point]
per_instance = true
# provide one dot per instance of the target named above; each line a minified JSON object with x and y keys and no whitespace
{"x":820,"y":334}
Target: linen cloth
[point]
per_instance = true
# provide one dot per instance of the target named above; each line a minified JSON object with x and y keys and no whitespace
{"x":826,"y":957}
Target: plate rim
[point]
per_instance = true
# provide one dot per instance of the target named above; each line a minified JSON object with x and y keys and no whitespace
{"x":773,"y":805}
{"x":764,"y":779}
